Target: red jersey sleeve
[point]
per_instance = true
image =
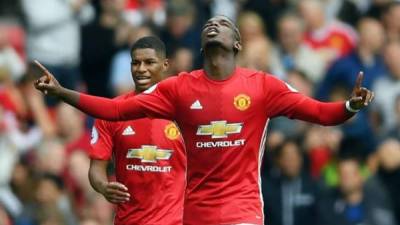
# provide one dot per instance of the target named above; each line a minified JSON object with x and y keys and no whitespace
{"x":157,"y":101}
{"x":283,"y":100}
{"x":160,"y":100}
{"x":101,"y":142}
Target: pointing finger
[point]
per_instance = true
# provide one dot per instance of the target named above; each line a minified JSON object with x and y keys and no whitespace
{"x":43,"y":69}
{"x":38,"y":64}
{"x":359,"y":80}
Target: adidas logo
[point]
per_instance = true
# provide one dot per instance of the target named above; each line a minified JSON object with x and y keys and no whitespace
{"x":128,"y":131}
{"x":196,"y":105}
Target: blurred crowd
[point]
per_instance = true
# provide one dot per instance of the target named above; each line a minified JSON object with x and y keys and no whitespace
{"x":312,"y":175}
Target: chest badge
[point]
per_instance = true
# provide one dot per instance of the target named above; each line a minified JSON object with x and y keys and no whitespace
{"x":171,"y":131}
{"x":242,"y":102}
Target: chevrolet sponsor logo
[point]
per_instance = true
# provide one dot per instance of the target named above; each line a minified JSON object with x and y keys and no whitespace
{"x":220,"y":129}
{"x":149,"y":153}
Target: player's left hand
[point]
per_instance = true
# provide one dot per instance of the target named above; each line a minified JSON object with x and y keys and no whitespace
{"x":361,"y":96}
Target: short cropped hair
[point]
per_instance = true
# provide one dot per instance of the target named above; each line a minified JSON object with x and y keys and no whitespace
{"x":151,"y":42}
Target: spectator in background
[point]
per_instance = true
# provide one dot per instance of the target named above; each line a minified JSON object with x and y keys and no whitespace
{"x":139,"y":12}
{"x":255,"y":53}
{"x":79,"y":186}
{"x":332,"y":39}
{"x":388,"y":154}
{"x":9,"y":59}
{"x":321,"y":145}
{"x":364,"y":58}
{"x":181,"y":60}
{"x":71,"y":128}
{"x":181,"y":29}
{"x":353,"y":202}
{"x":22,"y":179}
{"x":291,"y":53}
{"x":17,"y":140}
{"x":100,"y":41}
{"x":344,"y":10}
{"x":394,"y":132}
{"x":388,"y":88}
{"x":269,"y":11}
{"x":289,"y":194}
{"x":53,"y":205}
{"x":391,"y":20}
{"x":50,"y":149}
{"x":54,"y":35}
{"x":99,"y":210}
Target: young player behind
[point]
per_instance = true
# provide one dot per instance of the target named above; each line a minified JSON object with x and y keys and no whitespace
{"x":149,"y":157}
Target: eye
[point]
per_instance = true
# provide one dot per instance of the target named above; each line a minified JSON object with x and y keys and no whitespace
{"x":151,"y":62}
{"x":225,"y":23}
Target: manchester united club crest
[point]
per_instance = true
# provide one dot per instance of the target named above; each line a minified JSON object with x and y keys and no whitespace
{"x":242,"y":102}
{"x":171,"y":131}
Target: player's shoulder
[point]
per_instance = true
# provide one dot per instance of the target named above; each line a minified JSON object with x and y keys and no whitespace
{"x":251,"y":73}
{"x":192,"y":75}
{"x":183,"y":77}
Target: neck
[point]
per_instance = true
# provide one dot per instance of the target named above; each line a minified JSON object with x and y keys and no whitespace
{"x":366,"y":55}
{"x":354,"y":197}
{"x":219,"y":63}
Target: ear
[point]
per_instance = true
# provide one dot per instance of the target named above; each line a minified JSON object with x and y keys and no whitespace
{"x":166,"y":64}
{"x":237,"y":45}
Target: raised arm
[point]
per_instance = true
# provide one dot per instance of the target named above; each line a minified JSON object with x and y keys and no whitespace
{"x":284,"y":101}
{"x":158,"y":104}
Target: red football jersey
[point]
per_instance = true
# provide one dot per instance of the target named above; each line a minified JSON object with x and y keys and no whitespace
{"x":150,"y":161}
{"x":224,"y":125}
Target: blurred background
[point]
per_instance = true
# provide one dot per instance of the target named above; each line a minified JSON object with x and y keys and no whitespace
{"x":312,"y":175}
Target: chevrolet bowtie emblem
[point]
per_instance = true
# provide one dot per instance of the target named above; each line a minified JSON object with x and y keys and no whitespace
{"x":149,"y":153}
{"x":219,"y":129}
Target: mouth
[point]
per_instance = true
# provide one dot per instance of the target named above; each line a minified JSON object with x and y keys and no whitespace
{"x":212,"y":32}
{"x":143,"y":80}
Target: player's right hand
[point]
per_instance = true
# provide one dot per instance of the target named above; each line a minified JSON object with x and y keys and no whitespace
{"x":115,"y":192}
{"x":47,"y":84}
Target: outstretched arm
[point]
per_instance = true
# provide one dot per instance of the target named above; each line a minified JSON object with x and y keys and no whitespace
{"x":98,"y":107}
{"x":284,"y":101}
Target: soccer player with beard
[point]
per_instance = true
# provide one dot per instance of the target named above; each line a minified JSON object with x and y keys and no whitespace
{"x":149,"y":155}
{"x":222,"y":111}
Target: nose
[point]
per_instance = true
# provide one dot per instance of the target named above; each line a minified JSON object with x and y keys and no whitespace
{"x":141,"y":68}
{"x":214,"y":23}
